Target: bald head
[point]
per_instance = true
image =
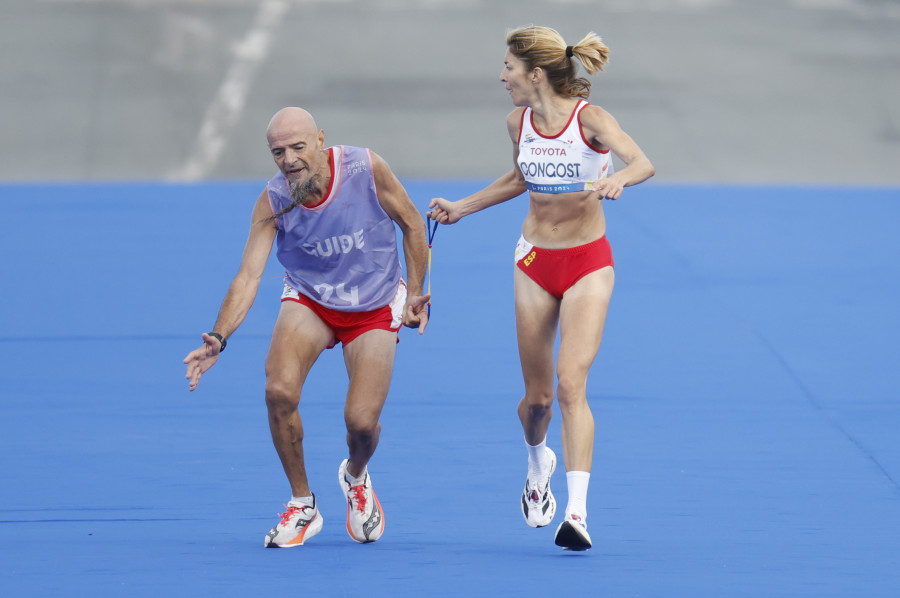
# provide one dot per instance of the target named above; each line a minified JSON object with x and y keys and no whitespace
{"x":291,"y":121}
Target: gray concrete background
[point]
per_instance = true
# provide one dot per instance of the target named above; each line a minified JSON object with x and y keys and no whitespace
{"x":719,"y":91}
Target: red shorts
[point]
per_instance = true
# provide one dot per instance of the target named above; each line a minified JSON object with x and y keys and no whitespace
{"x":347,"y":325}
{"x":556,"y":270}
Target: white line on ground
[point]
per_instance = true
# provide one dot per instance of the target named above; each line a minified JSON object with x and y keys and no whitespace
{"x":228,"y":103}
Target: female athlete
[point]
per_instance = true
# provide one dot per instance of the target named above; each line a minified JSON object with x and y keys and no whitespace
{"x":564,"y":275}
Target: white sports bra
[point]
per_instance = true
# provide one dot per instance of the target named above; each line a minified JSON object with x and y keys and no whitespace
{"x":562,"y":163}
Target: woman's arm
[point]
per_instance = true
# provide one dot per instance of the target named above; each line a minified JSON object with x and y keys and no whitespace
{"x":508,"y":186}
{"x":604,"y":131}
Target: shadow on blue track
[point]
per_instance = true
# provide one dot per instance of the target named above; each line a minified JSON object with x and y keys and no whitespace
{"x":746,"y":399}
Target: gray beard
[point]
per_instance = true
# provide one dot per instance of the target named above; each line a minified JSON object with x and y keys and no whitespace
{"x":300,"y":191}
{"x":300,"y":195}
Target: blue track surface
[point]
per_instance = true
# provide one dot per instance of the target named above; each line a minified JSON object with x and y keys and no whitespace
{"x":747,"y":400}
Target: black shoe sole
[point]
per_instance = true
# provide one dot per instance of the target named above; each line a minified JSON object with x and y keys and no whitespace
{"x":568,"y":537}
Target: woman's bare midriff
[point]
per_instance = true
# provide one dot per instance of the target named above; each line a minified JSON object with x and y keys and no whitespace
{"x":561,"y":220}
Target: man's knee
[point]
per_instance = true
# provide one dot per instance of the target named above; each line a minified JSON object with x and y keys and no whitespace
{"x":281,"y":397}
{"x":362,"y":424}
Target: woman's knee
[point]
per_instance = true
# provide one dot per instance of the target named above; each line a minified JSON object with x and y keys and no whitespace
{"x":537,"y":407}
{"x":570,"y":390}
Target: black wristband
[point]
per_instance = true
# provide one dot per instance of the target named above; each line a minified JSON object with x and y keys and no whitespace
{"x":219,"y":338}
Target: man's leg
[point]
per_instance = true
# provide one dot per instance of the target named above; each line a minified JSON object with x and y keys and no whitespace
{"x":297,"y":341}
{"x":370,"y":363}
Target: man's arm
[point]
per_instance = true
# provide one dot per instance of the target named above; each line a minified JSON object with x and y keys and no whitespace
{"x":241,"y":293}
{"x":396,"y":202}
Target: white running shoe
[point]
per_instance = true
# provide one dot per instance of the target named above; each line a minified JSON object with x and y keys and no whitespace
{"x":538,"y":504}
{"x":572,"y":533}
{"x":365,"y":519}
{"x":298,"y":524}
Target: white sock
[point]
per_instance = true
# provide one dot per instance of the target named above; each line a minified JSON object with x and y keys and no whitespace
{"x":537,"y":458}
{"x":301,"y":501}
{"x":356,"y":481}
{"x":577,"y":482}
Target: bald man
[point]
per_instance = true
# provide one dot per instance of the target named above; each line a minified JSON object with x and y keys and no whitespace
{"x":332,"y":212}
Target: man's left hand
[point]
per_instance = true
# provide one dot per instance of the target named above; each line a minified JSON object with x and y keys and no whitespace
{"x":415,"y":312}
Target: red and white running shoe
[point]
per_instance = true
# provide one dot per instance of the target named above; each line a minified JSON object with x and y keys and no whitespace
{"x":365,"y":519}
{"x":298,"y":524}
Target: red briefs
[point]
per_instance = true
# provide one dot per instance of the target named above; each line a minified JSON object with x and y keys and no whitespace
{"x":556,"y":270}
{"x":347,"y":325}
